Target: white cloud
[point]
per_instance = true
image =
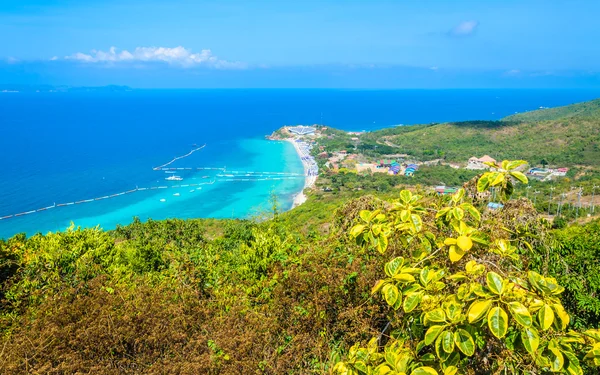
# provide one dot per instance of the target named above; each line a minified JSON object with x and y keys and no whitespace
{"x":11,"y":60}
{"x":177,"y":56}
{"x":464,"y":28}
{"x":434,"y":68}
{"x":512,"y":72}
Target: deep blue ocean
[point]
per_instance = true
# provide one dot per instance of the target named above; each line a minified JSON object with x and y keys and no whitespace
{"x":64,"y":147}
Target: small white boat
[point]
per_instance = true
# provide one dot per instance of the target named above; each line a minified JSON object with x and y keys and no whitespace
{"x":176,"y":194}
{"x":171,"y":172}
{"x":174,"y":178}
{"x":163,"y":200}
{"x":193,"y":190}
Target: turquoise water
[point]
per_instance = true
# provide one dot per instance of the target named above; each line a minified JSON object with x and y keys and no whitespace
{"x":64,"y":147}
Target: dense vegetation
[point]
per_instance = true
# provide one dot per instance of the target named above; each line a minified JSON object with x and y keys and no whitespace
{"x":589,"y":109}
{"x":292,"y":294}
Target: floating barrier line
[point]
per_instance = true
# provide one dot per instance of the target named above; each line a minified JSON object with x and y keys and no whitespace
{"x":102,"y":198}
{"x":179,"y":157}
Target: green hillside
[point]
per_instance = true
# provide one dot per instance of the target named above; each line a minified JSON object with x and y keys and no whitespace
{"x":566,"y":136}
{"x":589,"y":109}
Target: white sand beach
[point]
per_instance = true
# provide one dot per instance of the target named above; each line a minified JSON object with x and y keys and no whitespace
{"x":310,"y":171}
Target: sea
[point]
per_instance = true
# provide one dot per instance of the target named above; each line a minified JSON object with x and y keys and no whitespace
{"x":61,"y":147}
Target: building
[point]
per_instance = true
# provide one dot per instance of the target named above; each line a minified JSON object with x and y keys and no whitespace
{"x":443,"y":190}
{"x":479,"y":163}
{"x":302,"y":130}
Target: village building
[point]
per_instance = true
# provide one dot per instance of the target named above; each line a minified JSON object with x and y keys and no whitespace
{"x":479,"y":163}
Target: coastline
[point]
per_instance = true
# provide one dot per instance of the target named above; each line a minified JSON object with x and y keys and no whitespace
{"x":309,"y":180}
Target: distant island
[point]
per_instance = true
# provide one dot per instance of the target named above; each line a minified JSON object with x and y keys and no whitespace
{"x":7,"y":88}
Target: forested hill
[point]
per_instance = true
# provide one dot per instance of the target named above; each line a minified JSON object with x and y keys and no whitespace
{"x":590,"y":110}
{"x":566,"y":135}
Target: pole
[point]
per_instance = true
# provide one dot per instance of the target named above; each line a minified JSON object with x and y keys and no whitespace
{"x":550,"y":201}
{"x":527,"y":191}
{"x":593,"y":193}
{"x":535,"y":193}
{"x":578,"y":202}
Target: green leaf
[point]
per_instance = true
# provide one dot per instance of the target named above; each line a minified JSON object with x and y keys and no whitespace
{"x":432,"y":334}
{"x":520,"y":176}
{"x":545,"y":317}
{"x":447,"y":341}
{"x":411,"y":301}
{"x":498,"y":322}
{"x":464,"y":341}
{"x":520,"y":313}
{"x":495,"y":282}
{"x":458,"y":196}
{"x":392,"y":267}
{"x":424,"y":371}
{"x":478,"y":309}
{"x":573,"y":367}
{"x":530,"y":339}
{"x":450,"y":370}
{"x":390,"y":293}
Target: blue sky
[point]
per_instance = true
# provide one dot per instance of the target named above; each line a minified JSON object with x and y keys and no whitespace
{"x":308,"y":43}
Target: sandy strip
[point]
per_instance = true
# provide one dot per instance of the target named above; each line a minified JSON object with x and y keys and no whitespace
{"x":309,"y":181}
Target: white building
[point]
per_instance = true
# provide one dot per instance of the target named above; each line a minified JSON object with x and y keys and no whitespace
{"x":302,"y":130}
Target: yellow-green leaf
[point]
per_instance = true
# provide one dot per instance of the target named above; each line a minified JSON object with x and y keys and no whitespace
{"x":464,"y":341}
{"x":405,"y":196}
{"x":498,"y":322}
{"x":450,"y":370}
{"x":449,"y":241}
{"x":404,"y":278}
{"x":357,"y":230}
{"x":562,"y":315}
{"x":478,"y":309}
{"x":464,"y":243}
{"x":520,"y":313}
{"x":378,"y":285}
{"x":545,"y":317}
{"x":447,"y":341}
{"x":390,"y":293}
{"x":494,"y":282}
{"x":455,"y":253}
{"x":365,"y":215}
{"x":484,"y":182}
{"x":519,"y":176}
{"x":557,"y":361}
{"x":425,"y":370}
{"x":530,"y":339}
{"x":411,"y":301}
{"x":432,"y":334}
{"x":393,"y":266}
{"x":436,"y":316}
{"x":498,"y":179}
